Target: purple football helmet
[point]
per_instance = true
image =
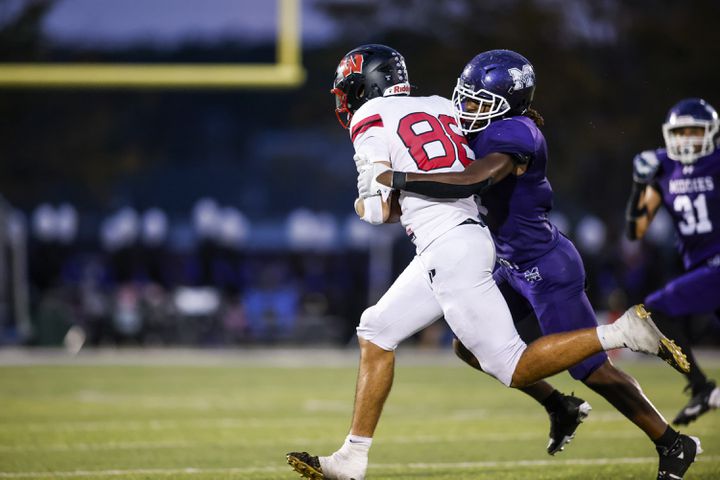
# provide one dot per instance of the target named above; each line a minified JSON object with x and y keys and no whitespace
{"x":690,"y":113}
{"x":494,"y":84}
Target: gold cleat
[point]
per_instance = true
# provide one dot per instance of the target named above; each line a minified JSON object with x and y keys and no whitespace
{"x":308,"y":466}
{"x":673,"y":355}
{"x":667,"y":350}
{"x":641,"y":312}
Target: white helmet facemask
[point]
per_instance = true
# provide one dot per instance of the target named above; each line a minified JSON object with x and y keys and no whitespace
{"x":490,"y":105}
{"x":688,"y":148}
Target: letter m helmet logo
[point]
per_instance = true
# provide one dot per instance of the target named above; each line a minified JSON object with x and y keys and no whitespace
{"x":522,"y":78}
{"x":351,"y":64}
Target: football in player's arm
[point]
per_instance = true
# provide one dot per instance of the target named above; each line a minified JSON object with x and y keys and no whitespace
{"x":383,"y":206}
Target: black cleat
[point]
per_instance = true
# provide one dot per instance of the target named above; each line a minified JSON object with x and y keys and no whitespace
{"x":704,"y":398}
{"x":565,"y":421}
{"x":308,"y":466}
{"x":676,"y":460}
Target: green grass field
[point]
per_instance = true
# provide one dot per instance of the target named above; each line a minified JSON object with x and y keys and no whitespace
{"x":236,"y":419}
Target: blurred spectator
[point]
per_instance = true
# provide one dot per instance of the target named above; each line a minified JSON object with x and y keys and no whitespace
{"x":45,"y":255}
{"x":154,"y":248}
{"x":590,"y":234}
{"x":207,"y":223}
{"x":234,"y":321}
{"x":271,"y":303}
{"x":310,"y":230}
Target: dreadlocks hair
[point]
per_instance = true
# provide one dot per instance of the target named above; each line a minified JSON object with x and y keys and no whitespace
{"x":535,"y":116}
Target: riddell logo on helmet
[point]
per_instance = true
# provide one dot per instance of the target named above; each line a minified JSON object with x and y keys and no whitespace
{"x":398,"y":89}
{"x":351,"y":64}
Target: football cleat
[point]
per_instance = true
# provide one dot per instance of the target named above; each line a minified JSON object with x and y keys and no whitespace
{"x":308,"y":466}
{"x":676,"y":460}
{"x":334,"y":467}
{"x":640,"y":334}
{"x":564,"y":422}
{"x":704,"y":398}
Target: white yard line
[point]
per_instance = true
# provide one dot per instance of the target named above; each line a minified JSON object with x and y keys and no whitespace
{"x":283,"y":468}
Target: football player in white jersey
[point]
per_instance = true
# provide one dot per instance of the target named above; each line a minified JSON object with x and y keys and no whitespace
{"x":451,"y":274}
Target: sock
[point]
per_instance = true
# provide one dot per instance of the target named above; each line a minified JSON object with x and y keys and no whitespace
{"x":350,"y":461}
{"x":358,"y":440}
{"x":355,"y":446}
{"x":610,"y":337}
{"x":667,"y":439}
{"x":553,"y":402}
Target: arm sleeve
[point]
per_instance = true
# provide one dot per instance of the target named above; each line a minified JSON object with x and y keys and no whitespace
{"x":438,"y":189}
{"x":632,"y":212}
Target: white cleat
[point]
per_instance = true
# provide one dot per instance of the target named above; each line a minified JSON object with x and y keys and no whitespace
{"x":640,"y":334}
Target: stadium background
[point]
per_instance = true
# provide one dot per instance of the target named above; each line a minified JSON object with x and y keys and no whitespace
{"x":223,"y":216}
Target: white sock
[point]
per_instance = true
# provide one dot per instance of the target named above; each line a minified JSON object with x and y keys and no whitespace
{"x":610,"y":337}
{"x":355,"y":446}
{"x":350,"y":459}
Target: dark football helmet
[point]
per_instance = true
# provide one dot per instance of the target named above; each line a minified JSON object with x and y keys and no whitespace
{"x":690,"y":113}
{"x":494,"y":84}
{"x":367,"y":72}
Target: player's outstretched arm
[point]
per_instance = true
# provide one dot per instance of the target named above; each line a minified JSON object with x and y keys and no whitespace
{"x":476,"y":178}
{"x":644,"y":198}
{"x":641,"y":208}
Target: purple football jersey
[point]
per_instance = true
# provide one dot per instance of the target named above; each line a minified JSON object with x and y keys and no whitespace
{"x":691,"y":193}
{"x":518,"y":206}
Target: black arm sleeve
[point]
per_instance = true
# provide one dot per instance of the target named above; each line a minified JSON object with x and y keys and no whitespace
{"x":632,"y":212}
{"x":438,"y":189}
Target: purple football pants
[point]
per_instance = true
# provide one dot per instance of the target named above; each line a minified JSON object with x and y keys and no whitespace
{"x":553,"y":287}
{"x":694,"y":292}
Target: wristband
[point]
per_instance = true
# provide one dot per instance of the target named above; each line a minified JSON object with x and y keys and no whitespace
{"x":398,"y":180}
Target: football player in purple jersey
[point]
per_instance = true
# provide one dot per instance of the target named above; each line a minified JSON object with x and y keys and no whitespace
{"x":539,"y":270}
{"x":684,"y":177}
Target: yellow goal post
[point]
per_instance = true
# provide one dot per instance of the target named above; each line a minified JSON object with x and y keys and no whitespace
{"x":286,"y":72}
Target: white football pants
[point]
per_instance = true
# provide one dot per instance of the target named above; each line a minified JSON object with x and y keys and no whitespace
{"x":451,"y":277}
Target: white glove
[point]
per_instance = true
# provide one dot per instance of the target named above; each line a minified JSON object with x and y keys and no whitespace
{"x":367,"y":184}
{"x":360,"y":161}
{"x":645,"y":167}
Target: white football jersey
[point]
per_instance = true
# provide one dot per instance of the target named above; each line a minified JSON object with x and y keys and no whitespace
{"x":416,"y":134}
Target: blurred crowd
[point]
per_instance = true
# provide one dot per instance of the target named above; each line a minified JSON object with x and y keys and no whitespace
{"x":144,"y":277}
{"x":211,"y":278}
